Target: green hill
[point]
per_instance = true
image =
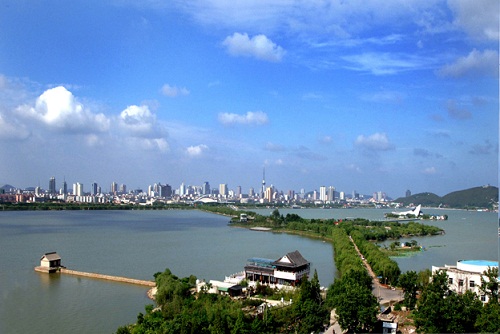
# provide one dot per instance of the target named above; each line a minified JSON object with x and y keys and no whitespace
{"x":478,"y":197}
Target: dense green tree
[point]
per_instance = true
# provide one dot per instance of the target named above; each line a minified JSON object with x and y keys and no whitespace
{"x":488,"y":321}
{"x":490,"y":284}
{"x":309,"y":310}
{"x":355,"y":305}
{"x":432,"y":304}
{"x":409,"y":283}
{"x":460,"y":312}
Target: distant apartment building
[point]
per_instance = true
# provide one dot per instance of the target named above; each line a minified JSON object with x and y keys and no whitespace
{"x":165,"y":191}
{"x":408,"y":193}
{"x":78,"y":189}
{"x":205,"y":189}
{"x":268,"y":195}
{"x":182,"y":190}
{"x":114,"y":188}
{"x":223,"y":191}
{"x":93,"y":188}
{"x":322,"y":194}
{"x":52,"y":185}
{"x":331,"y":194}
{"x":64,"y":188}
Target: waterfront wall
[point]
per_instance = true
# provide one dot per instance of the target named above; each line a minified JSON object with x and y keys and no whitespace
{"x":108,"y":277}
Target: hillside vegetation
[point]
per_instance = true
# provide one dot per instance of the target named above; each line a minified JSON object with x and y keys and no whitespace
{"x":478,"y":197}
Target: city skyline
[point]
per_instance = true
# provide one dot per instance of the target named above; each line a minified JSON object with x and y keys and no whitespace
{"x":322,"y":192}
{"x":362,"y":95}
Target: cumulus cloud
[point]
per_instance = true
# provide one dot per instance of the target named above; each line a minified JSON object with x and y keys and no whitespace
{"x":138,"y":121}
{"x":476,"y":63}
{"x":374,"y":142}
{"x":142,"y":128}
{"x":456,"y":112}
{"x":196,"y":151}
{"x":58,"y":109}
{"x":251,"y":117}
{"x":479,"y":19}
{"x":259,"y":47}
{"x":174,"y":91}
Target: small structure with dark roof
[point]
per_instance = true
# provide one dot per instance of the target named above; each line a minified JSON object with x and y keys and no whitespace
{"x":287,"y":270}
{"x":49,"y":262}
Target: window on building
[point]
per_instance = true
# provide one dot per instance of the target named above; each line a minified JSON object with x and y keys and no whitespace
{"x":472,"y":284}
{"x":450,"y":280}
{"x":460,"y":282}
{"x":483,"y":298}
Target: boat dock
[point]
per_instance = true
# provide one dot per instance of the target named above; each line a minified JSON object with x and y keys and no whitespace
{"x":99,"y":276}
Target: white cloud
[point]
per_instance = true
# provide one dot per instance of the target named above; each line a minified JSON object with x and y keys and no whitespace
{"x":308,"y":18}
{"x":429,"y":171}
{"x":374,"y":142}
{"x":386,"y":63}
{"x":196,"y":151}
{"x":258,"y":46}
{"x":58,"y":109}
{"x":479,"y":19}
{"x":138,"y":121}
{"x":174,"y":91}
{"x":476,"y":63}
{"x":251,"y":117}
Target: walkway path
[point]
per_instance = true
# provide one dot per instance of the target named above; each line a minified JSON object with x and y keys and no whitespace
{"x":385,"y":295}
{"x":108,"y":277}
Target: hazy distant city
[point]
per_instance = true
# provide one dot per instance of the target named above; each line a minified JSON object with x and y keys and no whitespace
{"x":165,"y":193}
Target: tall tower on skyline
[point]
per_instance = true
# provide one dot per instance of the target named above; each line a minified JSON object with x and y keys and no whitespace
{"x":263,"y":182}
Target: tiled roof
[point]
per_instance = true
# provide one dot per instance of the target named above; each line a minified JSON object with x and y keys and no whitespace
{"x":52,"y":256}
{"x":295,"y":258}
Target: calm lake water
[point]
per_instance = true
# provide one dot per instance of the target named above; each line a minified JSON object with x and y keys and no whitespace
{"x":139,"y":243}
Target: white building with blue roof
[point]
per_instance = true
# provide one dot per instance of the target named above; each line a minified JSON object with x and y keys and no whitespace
{"x":466,"y":275}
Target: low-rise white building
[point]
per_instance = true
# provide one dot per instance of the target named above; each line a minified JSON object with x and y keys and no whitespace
{"x":466,"y":275}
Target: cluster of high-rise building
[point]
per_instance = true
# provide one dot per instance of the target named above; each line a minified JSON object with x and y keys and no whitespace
{"x":165,"y":192}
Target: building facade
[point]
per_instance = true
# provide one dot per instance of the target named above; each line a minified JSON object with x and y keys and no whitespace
{"x":466,"y":275}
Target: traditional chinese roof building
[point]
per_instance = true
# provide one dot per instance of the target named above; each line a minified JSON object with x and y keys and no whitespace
{"x":287,"y":270}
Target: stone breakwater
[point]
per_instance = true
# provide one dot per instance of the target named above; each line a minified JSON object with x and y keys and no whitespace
{"x":108,"y":277}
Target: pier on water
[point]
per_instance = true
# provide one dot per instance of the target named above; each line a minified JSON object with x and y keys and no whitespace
{"x":100,"y":276}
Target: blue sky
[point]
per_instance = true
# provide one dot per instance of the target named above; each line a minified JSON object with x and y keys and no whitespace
{"x":362,"y":95}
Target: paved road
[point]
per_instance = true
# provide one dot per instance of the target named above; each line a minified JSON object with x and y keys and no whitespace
{"x":385,"y":295}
